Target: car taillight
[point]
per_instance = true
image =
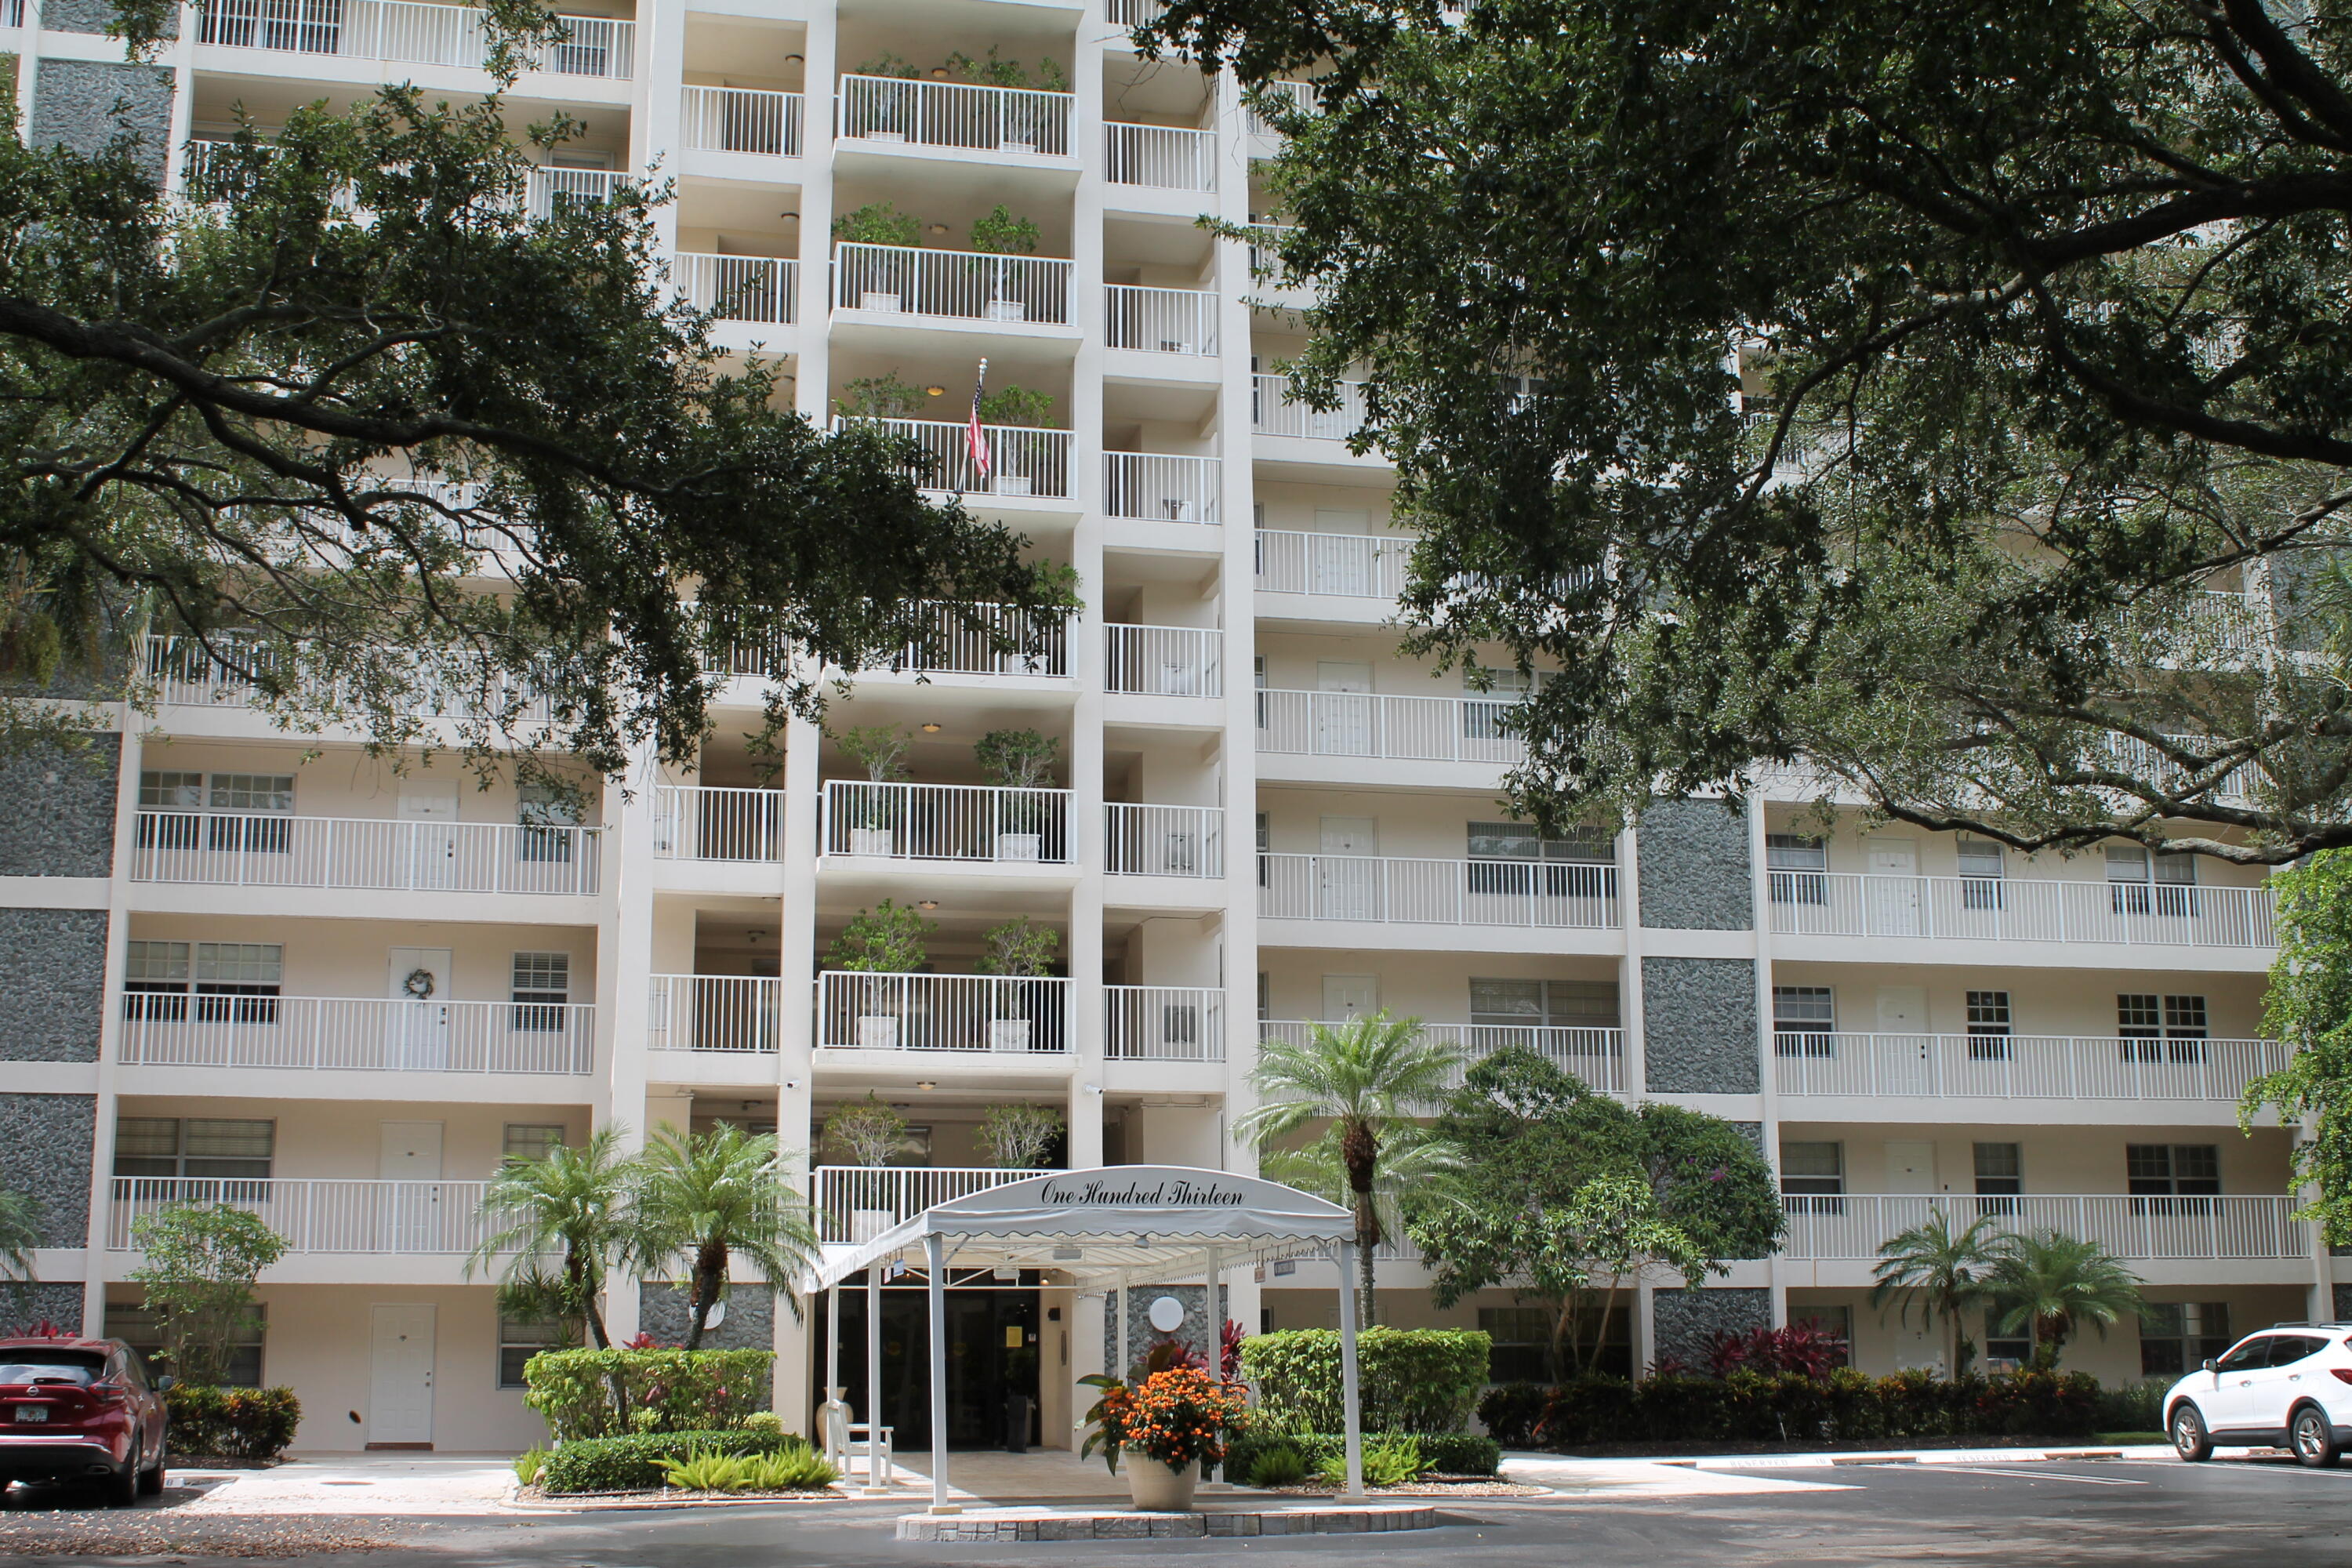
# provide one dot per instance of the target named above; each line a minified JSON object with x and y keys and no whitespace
{"x":107,"y":1393}
{"x":2341,"y":1373}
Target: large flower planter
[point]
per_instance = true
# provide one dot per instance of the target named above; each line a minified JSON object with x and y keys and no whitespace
{"x":1156,"y":1488}
{"x":872,"y":841}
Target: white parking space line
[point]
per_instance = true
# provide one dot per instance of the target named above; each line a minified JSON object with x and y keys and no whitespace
{"x":2023,"y":1474}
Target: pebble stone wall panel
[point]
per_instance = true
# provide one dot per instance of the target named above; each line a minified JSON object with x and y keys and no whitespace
{"x":72,"y":833}
{"x":1694,"y":870}
{"x":52,"y":1302}
{"x":52,"y":984}
{"x":1687,"y":1322}
{"x":1699,"y":1025}
{"x":86,"y":104}
{"x":1197,"y":1333}
{"x":92,"y":16}
{"x":45,"y":1151}
{"x":750,"y":1324}
{"x":2343,"y":1303}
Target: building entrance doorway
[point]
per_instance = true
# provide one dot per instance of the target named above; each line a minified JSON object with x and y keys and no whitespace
{"x":994,"y":1341}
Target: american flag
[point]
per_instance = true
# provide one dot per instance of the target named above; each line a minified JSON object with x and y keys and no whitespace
{"x":974,"y":437}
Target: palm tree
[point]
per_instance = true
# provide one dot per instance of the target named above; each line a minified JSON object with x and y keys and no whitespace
{"x":1941,"y":1271}
{"x":2049,"y":1283}
{"x":573,"y":1201}
{"x":703,"y":1198}
{"x":20,"y":1231}
{"x":1369,"y":1078}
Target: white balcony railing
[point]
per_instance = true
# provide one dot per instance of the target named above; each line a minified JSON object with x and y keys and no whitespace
{"x":2008,"y":909}
{"x":1294,"y":96}
{"x":1020,"y":121}
{"x":1164,"y":661}
{"x":366,"y":853}
{"x":946,"y":822}
{"x":2022,"y":1067}
{"x":740,"y":288}
{"x":1134,"y":13}
{"x":999,"y":1013}
{"x":2133,"y":1229}
{"x":1160,"y":487}
{"x":1163,"y":840}
{"x":406,"y":1219}
{"x":357,"y":1034}
{"x":1163,"y":157}
{"x":729,"y":1014}
{"x":1339,"y":565}
{"x":965,"y":642}
{"x":1405,"y":728}
{"x":411,"y":34}
{"x":185,"y":673}
{"x":956,"y":285}
{"x":1547,"y":894}
{"x":1160,"y":321}
{"x":1595,"y":1055}
{"x":549,"y":188}
{"x":2136,"y":755}
{"x":1275,"y":411}
{"x":696,"y":822}
{"x":740,"y":120}
{"x":1022,"y":460}
{"x":1163,"y":1024}
{"x":858,"y":1203}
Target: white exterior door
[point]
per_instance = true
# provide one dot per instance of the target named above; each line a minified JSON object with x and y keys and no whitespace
{"x":400,"y":1380}
{"x":1349,"y":996}
{"x":1343,"y":708}
{"x":1340,"y":556}
{"x":1904,"y":1044}
{"x":1890,"y":890}
{"x":1348,"y":873}
{"x":428,"y":814}
{"x":1910,"y":1168}
{"x":409,"y":1153}
{"x":416,"y":1038}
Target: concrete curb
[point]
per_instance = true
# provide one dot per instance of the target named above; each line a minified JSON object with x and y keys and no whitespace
{"x":1893,"y":1456}
{"x":1026,"y":1525}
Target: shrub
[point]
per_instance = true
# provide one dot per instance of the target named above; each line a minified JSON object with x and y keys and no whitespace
{"x":2041,"y":1403}
{"x":1804,"y":1348}
{"x":1593,"y":1409}
{"x":251,"y":1423}
{"x":1279,"y":1464}
{"x":528,"y":1464}
{"x":2133,"y":1406}
{"x":634,"y":1463}
{"x":1510,"y":1412}
{"x":1389,"y":1460}
{"x":662,"y":1390}
{"x":1445,"y":1454}
{"x":792,"y":1470}
{"x":766,"y":1421}
{"x":1789,"y":1408}
{"x":1410,"y":1380}
{"x":706,"y":1470}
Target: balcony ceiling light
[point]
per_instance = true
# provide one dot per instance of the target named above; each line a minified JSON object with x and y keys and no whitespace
{"x":931,"y":728}
{"x":935,"y":391}
{"x":926,"y":1085}
{"x":794,"y":61}
{"x":939,"y":73}
{"x":926,"y":905}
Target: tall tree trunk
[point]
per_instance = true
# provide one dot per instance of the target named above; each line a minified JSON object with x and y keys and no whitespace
{"x":1359,"y":1153}
{"x":1367,"y":1239}
{"x":709,"y":1279}
{"x":1601,"y":1331}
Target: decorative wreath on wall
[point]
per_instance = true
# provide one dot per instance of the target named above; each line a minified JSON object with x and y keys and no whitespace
{"x":419,"y":983}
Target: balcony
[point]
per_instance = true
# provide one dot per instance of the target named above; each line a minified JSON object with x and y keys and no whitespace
{"x":1523,"y":893}
{"x":740,"y":288}
{"x":186,"y":673}
{"x":952,"y":285}
{"x":1163,"y":840}
{"x":998,"y":1014}
{"x":740,"y":120}
{"x":1336,"y":565}
{"x":357,"y":1034}
{"x":858,"y":1203}
{"x":1403,"y":729}
{"x":409,"y":1219}
{"x":1157,"y":487}
{"x":409,"y":34}
{"x":894,"y":112}
{"x":1022,"y":460}
{"x":730,"y":1014}
{"x":1160,"y":321}
{"x":1280,"y":97}
{"x":365,"y":853}
{"x":1163,"y":1024}
{"x":968,"y":823}
{"x":1160,"y":157}
{"x":693,"y":822}
{"x":549,"y":188}
{"x":2133,"y":1228}
{"x":1595,"y":1057}
{"x":1276,"y":411}
{"x":2022,"y":1067}
{"x":1164,"y":661}
{"x":2002,"y":909}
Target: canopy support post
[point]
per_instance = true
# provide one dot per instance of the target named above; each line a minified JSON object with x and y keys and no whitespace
{"x":877,"y":1485}
{"x":935,"y":1265}
{"x":1120,"y":1370}
{"x":1351,"y":1403}
{"x":833,"y":1415}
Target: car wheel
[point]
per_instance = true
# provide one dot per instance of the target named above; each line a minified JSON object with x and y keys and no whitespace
{"x":2312,"y":1439}
{"x":122,"y":1488}
{"x":150,"y":1481}
{"x":2190,"y":1438}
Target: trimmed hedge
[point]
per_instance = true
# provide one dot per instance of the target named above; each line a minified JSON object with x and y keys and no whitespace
{"x":1443,"y":1452}
{"x":1749,"y":1407}
{"x":1423,"y":1381}
{"x":662,"y":1390}
{"x":251,"y":1423}
{"x":634,"y":1464}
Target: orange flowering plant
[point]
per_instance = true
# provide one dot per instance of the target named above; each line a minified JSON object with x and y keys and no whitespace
{"x":1179,"y":1417}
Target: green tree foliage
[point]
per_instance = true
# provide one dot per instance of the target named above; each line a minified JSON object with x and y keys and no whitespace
{"x":866,"y":1130}
{"x":1939,"y":1271}
{"x":1571,"y":1197}
{"x":20,"y":1231}
{"x":706,"y":1198}
{"x":198,"y":1265}
{"x":886,"y":939}
{"x":1020,"y":946}
{"x":2051,"y":1284}
{"x":571,"y":1203}
{"x":2309,"y":1007}
{"x":1018,"y":1135}
{"x":1877,"y":387}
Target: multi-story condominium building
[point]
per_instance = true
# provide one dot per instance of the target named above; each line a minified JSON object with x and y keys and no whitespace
{"x":267,"y":969}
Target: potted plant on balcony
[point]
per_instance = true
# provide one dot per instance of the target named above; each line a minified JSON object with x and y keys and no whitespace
{"x":875,"y":283}
{"x":1168,"y":1427}
{"x":869,"y":1135}
{"x":880,"y":397}
{"x":889,"y":110}
{"x":885,"y":940}
{"x":1022,"y":409}
{"x":1020,"y":761}
{"x":1000,"y":234}
{"x":874,"y":811}
{"x":1018,"y":1136}
{"x":1020,"y":949}
{"x":1020,"y":117}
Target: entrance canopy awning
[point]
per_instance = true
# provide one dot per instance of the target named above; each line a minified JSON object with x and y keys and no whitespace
{"x":1095,"y":1225}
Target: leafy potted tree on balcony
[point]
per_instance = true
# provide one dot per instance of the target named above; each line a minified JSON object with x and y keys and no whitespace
{"x":880,"y":397}
{"x":888,"y":111}
{"x":1021,"y":761}
{"x":1021,"y":118}
{"x":1022,"y":409}
{"x":876,"y":282}
{"x":1000,"y":234}
{"x":874,"y":812}
{"x":1019,"y":1137}
{"x":885,"y":940}
{"x":1020,"y":949}
{"x":870,"y":1135}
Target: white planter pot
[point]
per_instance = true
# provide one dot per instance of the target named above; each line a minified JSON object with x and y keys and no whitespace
{"x":877,"y":1032}
{"x":1008,"y":144}
{"x":876,"y":300}
{"x":1019,"y":846}
{"x":1178,"y":680}
{"x":1176,"y":510}
{"x":1174,"y":346}
{"x":884,"y":136}
{"x":1009,"y":1034}
{"x":1013,"y":485}
{"x":1007,"y":311}
{"x":872,"y":841}
{"x":1156,"y":1488}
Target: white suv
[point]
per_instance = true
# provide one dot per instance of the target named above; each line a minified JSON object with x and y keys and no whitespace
{"x":2289,"y":1385}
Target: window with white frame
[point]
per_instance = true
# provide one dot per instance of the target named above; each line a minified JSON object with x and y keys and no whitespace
{"x":541,"y":985}
{"x":547,"y":816}
{"x":1981,"y":868}
{"x":1834,"y":1320}
{"x":2156,"y":1029}
{"x":182,"y":794}
{"x":1812,"y":1175}
{"x":215,"y":1157}
{"x":1264,"y":996}
{"x":2140,"y":883}
{"x":1497,"y":1004}
{"x":231,"y":981}
{"x":142,"y":1329}
{"x":1562,"y":865}
{"x":2175,"y":1336}
{"x":247,"y":811}
{"x":1795,"y":864}
{"x":2000,"y":1178}
{"x":2172,"y":1178}
{"x":1804,"y":1021}
{"x":531,"y":1140}
{"x":519,"y":1339}
{"x":1988,"y":1026}
{"x":1488,"y":697}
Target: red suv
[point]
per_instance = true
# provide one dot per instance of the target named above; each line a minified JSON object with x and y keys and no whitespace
{"x":75,"y":1408}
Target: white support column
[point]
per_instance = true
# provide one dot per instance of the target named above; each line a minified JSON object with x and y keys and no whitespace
{"x":1768,"y":1078}
{"x":876,"y":1484}
{"x":935,"y":1266}
{"x":833,"y":1417}
{"x":1352,"y":1406}
{"x":1119,"y":1317}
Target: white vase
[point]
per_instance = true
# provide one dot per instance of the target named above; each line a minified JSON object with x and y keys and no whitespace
{"x":871,"y":841}
{"x":877,"y":1032}
{"x":1156,"y":1488}
{"x":1009,"y":1034}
